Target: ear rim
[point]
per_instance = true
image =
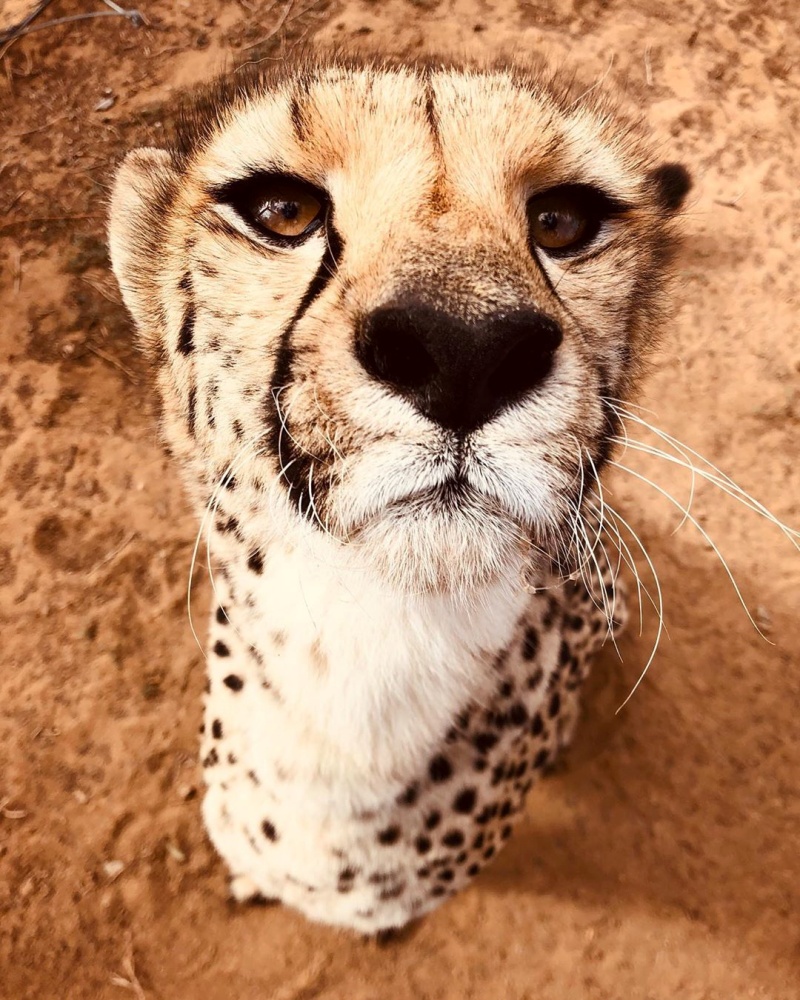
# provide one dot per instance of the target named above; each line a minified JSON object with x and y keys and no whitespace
{"x":670,"y":182}
{"x":143,"y":190}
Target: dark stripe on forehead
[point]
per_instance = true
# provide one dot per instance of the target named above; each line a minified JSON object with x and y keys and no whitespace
{"x":430,"y":108}
{"x":279,"y":438}
{"x":298,"y":122}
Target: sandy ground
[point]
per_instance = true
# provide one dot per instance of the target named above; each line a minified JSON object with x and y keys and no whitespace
{"x":662,"y":860}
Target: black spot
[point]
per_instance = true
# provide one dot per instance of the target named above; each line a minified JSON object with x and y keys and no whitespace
{"x":390,"y":835}
{"x":473,"y":870}
{"x":186,"y":335}
{"x":505,"y":833}
{"x":440,"y":769}
{"x":433,"y":820}
{"x":518,"y":714}
{"x":211,"y":758}
{"x":409,"y":796}
{"x":506,"y":689}
{"x":535,"y":679}
{"x":220,"y":649}
{"x":530,"y":644}
{"x":228,"y":480}
{"x":255,"y":561}
{"x":238,"y":430}
{"x":423,"y":872}
{"x":347,"y":874}
{"x":464,"y":802}
{"x":479,"y":841}
{"x":564,"y":654}
{"x":222,"y":618}
{"x":393,"y":891}
{"x":438,"y":890}
{"x":484,"y":816}
{"x":453,"y":838}
{"x":216,"y":729}
{"x":498,"y":773}
{"x":541,"y":759}
{"x":489,"y":852}
{"x":505,"y":809}
{"x":461,"y":857}
{"x":423,"y":844}
{"x":232,"y":758}
{"x":269,"y":831}
{"x":574,"y":622}
{"x":521,"y":769}
{"x":537,"y":726}
{"x":555,"y":705}
{"x":480,"y":764}
{"x":446,"y":875}
{"x":233,"y":682}
{"x":483,"y":742}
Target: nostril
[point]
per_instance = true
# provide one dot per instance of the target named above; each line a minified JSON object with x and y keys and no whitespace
{"x":396,"y":355}
{"x":527,"y":363}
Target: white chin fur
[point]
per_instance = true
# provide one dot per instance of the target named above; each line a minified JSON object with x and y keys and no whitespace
{"x":435,"y":550}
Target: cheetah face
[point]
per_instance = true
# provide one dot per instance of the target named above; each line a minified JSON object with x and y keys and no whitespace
{"x":388,"y":305}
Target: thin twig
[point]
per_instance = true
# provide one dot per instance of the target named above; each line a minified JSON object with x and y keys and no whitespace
{"x":113,"y":361}
{"x":110,"y":556}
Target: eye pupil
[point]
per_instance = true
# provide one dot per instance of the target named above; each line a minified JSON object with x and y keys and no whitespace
{"x":282,"y":208}
{"x":549,"y":221}
{"x":289,"y":210}
{"x":567,"y":218}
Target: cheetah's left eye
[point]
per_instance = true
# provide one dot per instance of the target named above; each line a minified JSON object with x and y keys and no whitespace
{"x":568,"y":218}
{"x":284,"y":209}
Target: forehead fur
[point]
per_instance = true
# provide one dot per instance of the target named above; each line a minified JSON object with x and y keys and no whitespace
{"x":530,"y":119}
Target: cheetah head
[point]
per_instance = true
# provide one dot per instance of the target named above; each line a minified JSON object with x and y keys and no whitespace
{"x":389,"y":306}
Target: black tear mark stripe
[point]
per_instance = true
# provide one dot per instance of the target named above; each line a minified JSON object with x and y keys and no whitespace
{"x":191,"y":416}
{"x":186,"y":335}
{"x":291,"y":458}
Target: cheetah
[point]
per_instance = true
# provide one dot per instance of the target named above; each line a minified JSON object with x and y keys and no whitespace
{"x":389,"y":308}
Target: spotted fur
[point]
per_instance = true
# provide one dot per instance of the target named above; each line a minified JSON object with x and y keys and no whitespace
{"x":385,"y":683}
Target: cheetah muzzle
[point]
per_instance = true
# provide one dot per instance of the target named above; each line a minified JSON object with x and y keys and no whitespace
{"x":389,"y":307}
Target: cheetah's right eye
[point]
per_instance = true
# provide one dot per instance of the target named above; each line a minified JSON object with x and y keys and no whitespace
{"x":284,"y":209}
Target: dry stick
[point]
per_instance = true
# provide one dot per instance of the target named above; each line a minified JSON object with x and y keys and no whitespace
{"x":134,"y":16}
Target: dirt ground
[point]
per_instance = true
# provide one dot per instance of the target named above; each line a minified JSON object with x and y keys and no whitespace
{"x":663,"y":860}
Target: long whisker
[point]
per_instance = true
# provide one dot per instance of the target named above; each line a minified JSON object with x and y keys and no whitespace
{"x":659,"y":609}
{"x":720,"y":479}
{"x":705,"y":535}
{"x":736,"y":494}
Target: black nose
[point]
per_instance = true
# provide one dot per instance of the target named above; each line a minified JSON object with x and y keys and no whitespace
{"x":458,"y":374}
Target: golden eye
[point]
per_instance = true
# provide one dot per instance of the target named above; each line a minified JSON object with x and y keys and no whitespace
{"x":282,"y":208}
{"x":288,"y":210}
{"x":568,"y":217}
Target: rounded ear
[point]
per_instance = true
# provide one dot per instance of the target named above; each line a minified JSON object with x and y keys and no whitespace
{"x":671,"y":183}
{"x":143,"y":190}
